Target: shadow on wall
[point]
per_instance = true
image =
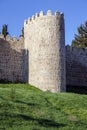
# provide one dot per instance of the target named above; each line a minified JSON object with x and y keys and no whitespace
{"x":76,"y":77}
{"x":76,"y":89}
{"x":13,"y":65}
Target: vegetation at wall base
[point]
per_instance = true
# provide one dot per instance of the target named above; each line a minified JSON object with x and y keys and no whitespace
{"x":24,"y":107}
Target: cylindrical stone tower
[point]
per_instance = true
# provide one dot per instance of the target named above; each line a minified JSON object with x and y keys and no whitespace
{"x":45,"y":41}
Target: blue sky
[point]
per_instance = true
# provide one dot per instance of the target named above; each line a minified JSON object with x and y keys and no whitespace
{"x":14,"y":12}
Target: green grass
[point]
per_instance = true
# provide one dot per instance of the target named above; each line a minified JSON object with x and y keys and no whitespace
{"x":23,"y":107}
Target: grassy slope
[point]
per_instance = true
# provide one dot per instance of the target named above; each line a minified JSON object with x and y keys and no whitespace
{"x":23,"y":107}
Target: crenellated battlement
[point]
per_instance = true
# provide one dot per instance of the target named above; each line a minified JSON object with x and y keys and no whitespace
{"x":42,"y":14}
{"x":12,"y":39}
{"x":76,"y":51}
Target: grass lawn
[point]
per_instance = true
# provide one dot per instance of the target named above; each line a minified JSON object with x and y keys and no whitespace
{"x":23,"y":107}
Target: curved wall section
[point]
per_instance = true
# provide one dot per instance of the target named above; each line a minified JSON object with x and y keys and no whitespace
{"x":45,"y":41}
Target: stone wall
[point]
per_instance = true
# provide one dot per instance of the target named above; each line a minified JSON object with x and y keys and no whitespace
{"x":76,"y":66}
{"x":45,"y":40}
{"x":11,"y":59}
{"x":39,"y":57}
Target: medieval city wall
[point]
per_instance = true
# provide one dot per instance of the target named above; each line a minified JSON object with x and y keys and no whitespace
{"x":40,"y":58}
{"x":76,"y":66}
{"x":45,"y":40}
{"x":11,"y":59}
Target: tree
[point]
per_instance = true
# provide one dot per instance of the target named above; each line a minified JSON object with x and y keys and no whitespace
{"x":5,"y":30}
{"x":80,"y":39}
{"x":22,"y":35}
{"x":23,"y":32}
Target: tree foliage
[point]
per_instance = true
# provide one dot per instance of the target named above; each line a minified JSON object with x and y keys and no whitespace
{"x":80,"y":39}
{"x":5,"y":30}
{"x":22,"y":31}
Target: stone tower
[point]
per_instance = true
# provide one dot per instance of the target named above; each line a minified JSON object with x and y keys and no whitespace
{"x":44,"y":37}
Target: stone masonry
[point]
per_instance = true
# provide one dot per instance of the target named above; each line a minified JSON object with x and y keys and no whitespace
{"x":45,"y":41}
{"x":76,"y":66}
{"x":11,"y":59}
{"x":41,"y":58}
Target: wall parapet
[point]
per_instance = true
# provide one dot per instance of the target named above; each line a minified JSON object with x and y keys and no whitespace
{"x":42,"y":14}
{"x":12,"y":39}
{"x":76,"y":50}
